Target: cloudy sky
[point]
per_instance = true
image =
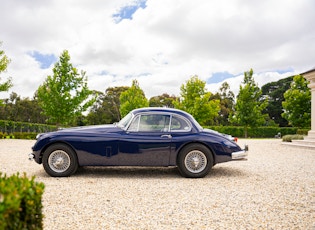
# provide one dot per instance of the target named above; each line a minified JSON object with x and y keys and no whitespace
{"x":161,"y":43}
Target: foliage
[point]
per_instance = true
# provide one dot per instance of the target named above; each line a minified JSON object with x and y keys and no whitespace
{"x":255,"y":132}
{"x":249,"y":107}
{"x":197,"y":101}
{"x":4,"y":61}
{"x":20,"y":202}
{"x":132,"y":98}
{"x":64,"y":95}
{"x":226,"y":97}
{"x":26,"y":110}
{"x":289,"y":138}
{"x":297,"y":104}
{"x":163,"y":100}
{"x":106,"y":108}
{"x":7,"y":126}
{"x":274,"y":92}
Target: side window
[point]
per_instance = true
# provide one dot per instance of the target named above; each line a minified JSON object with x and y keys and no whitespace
{"x":134,"y":126}
{"x":150,"y":123}
{"x":179,"y":124}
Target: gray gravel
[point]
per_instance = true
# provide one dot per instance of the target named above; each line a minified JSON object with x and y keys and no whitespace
{"x":274,"y":189}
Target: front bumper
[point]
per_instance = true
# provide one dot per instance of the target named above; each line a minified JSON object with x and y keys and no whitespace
{"x":240,"y":155}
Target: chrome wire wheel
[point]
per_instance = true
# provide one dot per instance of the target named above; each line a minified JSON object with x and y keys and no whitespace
{"x":195,"y":161}
{"x":59,"y":161}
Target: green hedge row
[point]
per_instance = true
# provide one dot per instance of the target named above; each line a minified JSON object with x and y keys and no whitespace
{"x":22,"y":127}
{"x":20,"y":202}
{"x":259,"y":132}
{"x":18,"y":135}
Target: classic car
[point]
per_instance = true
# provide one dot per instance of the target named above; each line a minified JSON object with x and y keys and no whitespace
{"x":144,"y":137}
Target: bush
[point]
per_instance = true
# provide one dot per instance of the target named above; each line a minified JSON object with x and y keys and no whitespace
{"x":20,"y":202}
{"x":289,"y":138}
{"x":259,"y":132}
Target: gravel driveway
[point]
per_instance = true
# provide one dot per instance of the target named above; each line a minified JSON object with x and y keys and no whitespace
{"x":274,"y":189}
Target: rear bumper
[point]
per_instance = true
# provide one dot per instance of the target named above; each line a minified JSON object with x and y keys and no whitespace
{"x":240,"y":155}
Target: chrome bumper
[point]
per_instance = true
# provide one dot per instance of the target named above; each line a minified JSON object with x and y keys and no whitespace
{"x":240,"y":155}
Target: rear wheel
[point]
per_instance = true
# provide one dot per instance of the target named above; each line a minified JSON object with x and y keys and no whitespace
{"x":195,"y":161}
{"x":59,"y":160}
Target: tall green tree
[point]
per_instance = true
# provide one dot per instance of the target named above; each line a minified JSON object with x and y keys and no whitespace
{"x":196,"y":100}
{"x":16,"y":108}
{"x":297,"y":103}
{"x":64,"y":96}
{"x":274,"y":91}
{"x":4,"y":62}
{"x":227,"y":103}
{"x":106,"y":108}
{"x":132,"y":98}
{"x":249,"y":107}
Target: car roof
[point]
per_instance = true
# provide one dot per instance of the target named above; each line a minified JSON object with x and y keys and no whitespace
{"x":160,"y":109}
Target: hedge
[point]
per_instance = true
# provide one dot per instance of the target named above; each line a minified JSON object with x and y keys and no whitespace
{"x":259,"y":132}
{"x":22,"y":127}
{"x":20,"y":202}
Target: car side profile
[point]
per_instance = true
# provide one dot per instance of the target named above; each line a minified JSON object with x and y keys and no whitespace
{"x":144,"y":137}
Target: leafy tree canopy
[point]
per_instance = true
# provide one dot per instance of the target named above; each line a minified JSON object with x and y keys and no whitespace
{"x":163,"y":100}
{"x":197,"y":101}
{"x":297,"y":104}
{"x":4,"y":62}
{"x":132,"y":98}
{"x":106,"y":108}
{"x":64,"y":95}
{"x":274,"y":91}
{"x":226,"y":98}
{"x":249,"y":107}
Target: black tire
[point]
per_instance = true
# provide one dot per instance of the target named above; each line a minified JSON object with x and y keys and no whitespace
{"x":59,"y":160}
{"x":195,"y":161}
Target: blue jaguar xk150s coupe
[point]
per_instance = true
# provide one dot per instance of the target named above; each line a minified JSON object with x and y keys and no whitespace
{"x":145,"y":137}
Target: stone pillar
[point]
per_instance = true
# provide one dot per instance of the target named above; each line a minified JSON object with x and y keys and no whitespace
{"x":310,"y":76}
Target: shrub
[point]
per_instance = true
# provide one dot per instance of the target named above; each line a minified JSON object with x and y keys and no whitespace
{"x":259,"y":132}
{"x":289,"y":138}
{"x":20,"y":202}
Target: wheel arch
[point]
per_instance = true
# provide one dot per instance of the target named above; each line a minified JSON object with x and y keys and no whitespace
{"x":55,"y":143}
{"x":195,"y":142}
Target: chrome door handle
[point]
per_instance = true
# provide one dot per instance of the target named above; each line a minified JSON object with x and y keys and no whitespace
{"x":167,"y":135}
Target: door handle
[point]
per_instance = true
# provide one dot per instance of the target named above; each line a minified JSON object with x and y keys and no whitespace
{"x":167,"y":135}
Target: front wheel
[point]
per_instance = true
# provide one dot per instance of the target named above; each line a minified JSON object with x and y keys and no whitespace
{"x":195,"y":161}
{"x":60,"y":160}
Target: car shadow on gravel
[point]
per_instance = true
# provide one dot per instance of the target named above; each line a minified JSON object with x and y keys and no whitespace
{"x":151,"y":172}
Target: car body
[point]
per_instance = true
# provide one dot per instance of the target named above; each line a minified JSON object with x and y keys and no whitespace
{"x":144,"y":137}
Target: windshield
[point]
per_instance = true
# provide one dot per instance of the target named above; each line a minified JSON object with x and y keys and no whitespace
{"x":125,"y":121}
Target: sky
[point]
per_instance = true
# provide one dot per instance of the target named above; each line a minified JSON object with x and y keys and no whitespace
{"x":160,"y":43}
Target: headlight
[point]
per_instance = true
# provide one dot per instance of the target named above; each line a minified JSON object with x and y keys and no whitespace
{"x":38,"y":135}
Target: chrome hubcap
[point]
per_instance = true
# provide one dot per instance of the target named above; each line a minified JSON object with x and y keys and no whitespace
{"x":59,"y":161}
{"x":195,"y":161}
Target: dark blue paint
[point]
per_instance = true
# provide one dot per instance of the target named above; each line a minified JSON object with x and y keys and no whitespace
{"x":109,"y":145}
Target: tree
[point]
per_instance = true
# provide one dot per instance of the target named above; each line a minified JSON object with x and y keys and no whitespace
{"x":226,"y":97}
{"x":197,"y":101}
{"x":64,"y":95}
{"x":16,"y":108}
{"x":163,"y":100}
{"x":4,"y":62}
{"x":249,"y":107}
{"x":297,"y":103}
{"x":274,"y":91}
{"x":106,"y":108}
{"x":132,"y":98}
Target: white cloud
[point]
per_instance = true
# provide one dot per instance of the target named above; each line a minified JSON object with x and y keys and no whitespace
{"x":163,"y":45}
